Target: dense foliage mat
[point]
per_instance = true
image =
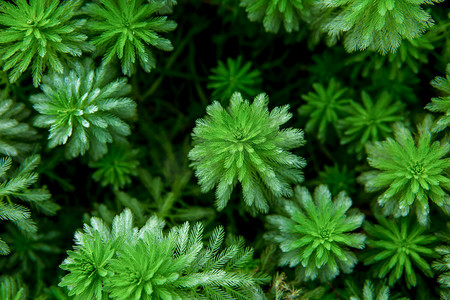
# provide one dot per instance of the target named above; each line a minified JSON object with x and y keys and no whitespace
{"x":224,"y":149}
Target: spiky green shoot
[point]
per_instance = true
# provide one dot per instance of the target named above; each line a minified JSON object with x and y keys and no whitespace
{"x":40,"y":33}
{"x":395,"y":246}
{"x":125,"y":262}
{"x":84,"y":109}
{"x":245,"y":144}
{"x":127,"y":30}
{"x":409,"y":173}
{"x":314,"y":237}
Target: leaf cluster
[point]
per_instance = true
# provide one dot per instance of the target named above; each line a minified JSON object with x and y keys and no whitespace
{"x":125,"y":262}
{"x":245,"y":144}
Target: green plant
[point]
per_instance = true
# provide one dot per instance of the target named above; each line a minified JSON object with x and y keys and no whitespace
{"x":12,"y":288}
{"x":443,"y":264}
{"x":275,"y":12}
{"x":246,"y":144}
{"x":380,"y":25}
{"x":441,"y":104}
{"x":15,"y":135}
{"x":370,"y":293}
{"x":43,"y":33}
{"x":281,"y":290}
{"x":338,"y":179}
{"x":314,"y":236}
{"x":412,"y":55}
{"x":323,"y":107}
{"x":234,"y":77}
{"x":409,"y":173}
{"x":166,"y":6}
{"x":16,"y":186}
{"x":125,"y":262}
{"x":116,"y":167}
{"x":369,"y":121}
{"x":125,"y":29}
{"x":394,"y":246}
{"x":84,"y":109}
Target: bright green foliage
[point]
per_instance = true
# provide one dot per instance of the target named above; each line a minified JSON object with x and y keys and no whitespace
{"x":369,"y":293}
{"x":379,"y":25}
{"x":275,"y":12}
{"x":369,"y":121}
{"x":409,"y":173}
{"x":16,"y":186}
{"x":246,"y":144}
{"x":15,"y":135}
{"x":395,"y":246}
{"x":441,"y":104}
{"x":12,"y":288}
{"x":126,"y":29}
{"x":315,"y":236}
{"x":42,"y":33}
{"x":116,"y":167}
{"x":323,"y":107}
{"x":125,"y":262}
{"x":443,"y":264}
{"x":338,"y":179}
{"x":234,"y":77}
{"x":84,"y":109}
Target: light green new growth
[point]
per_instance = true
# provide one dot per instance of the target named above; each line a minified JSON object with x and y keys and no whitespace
{"x":116,"y":167}
{"x":124,"y":262}
{"x":127,"y":29}
{"x":245,"y":144}
{"x":84,"y":109}
{"x":16,"y":186}
{"x":441,"y":104}
{"x":370,"y":121}
{"x":43,"y":33}
{"x":369,"y":293}
{"x":275,"y":12}
{"x":379,"y":25}
{"x":314,"y":237}
{"x":395,"y":246}
{"x":323,"y":107}
{"x":409,"y":173}
{"x":234,"y":77}
{"x":15,"y":135}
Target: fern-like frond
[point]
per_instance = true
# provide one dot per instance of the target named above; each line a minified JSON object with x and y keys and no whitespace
{"x":17,"y":185}
{"x":441,"y":104}
{"x":125,"y":262}
{"x":380,"y":25}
